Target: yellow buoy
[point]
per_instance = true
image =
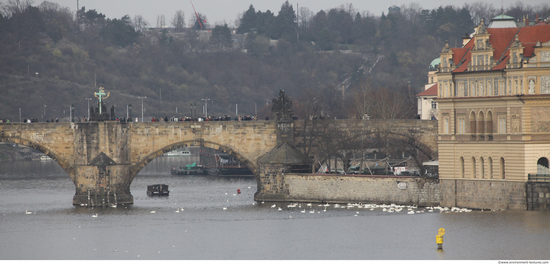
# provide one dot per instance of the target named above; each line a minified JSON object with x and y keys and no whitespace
{"x":439,"y":238}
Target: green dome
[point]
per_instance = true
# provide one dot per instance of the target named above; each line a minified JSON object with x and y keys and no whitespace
{"x":434,"y":63}
{"x":503,"y":17}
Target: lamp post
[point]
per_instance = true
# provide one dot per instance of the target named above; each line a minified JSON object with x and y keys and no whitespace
{"x":88,"y":99}
{"x":206,"y":107}
{"x":142,"y":97}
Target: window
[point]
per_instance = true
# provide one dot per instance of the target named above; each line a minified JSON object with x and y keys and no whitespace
{"x":502,"y":125}
{"x":473,"y":167}
{"x":481,"y":90}
{"x":434,"y":104}
{"x":482,"y":163}
{"x":542,"y":166}
{"x":502,"y":168}
{"x":490,"y":167}
{"x":461,"y":125}
{"x":462,"y":167}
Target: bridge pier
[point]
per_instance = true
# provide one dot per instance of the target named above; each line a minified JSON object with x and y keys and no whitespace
{"x":273,"y":166}
{"x":103,"y":185}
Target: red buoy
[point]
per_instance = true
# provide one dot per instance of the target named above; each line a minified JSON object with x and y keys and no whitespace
{"x":239,"y":191}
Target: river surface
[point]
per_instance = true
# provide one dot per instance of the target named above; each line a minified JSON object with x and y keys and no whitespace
{"x":203,"y":230}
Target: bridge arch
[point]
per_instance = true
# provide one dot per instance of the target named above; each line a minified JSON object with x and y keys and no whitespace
{"x":60,"y":160}
{"x":248,"y":162}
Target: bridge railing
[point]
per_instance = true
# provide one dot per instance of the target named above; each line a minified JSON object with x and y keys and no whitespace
{"x":538,"y":177}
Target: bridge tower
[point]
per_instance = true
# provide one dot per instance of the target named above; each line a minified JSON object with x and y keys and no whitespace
{"x":284,"y":158}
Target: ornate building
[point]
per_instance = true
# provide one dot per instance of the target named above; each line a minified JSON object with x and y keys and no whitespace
{"x":494,"y":116}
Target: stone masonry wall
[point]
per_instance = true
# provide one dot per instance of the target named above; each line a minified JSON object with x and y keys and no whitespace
{"x":367,"y":189}
{"x":483,"y":194}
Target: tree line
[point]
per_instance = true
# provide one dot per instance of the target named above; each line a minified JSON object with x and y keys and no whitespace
{"x":336,"y":63}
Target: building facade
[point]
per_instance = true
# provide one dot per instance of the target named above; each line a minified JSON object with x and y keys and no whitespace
{"x":427,"y":106}
{"x":494,"y":116}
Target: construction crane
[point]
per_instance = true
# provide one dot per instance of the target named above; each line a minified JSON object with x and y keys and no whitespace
{"x":198,"y":19}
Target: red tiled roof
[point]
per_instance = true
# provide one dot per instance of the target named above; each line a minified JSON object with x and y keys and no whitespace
{"x":501,"y":40}
{"x":530,"y":35}
{"x":432,"y":91}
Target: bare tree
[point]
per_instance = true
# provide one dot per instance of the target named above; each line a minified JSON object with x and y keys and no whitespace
{"x":15,"y":6}
{"x":363,"y":99}
{"x":178,"y":22}
{"x":481,"y":10}
{"x":139,"y":23}
{"x":161,"y":23}
{"x":413,"y":143}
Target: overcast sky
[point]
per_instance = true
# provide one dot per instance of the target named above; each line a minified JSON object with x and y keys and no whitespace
{"x":219,"y":11}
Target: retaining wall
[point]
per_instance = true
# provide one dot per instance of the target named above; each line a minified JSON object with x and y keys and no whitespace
{"x":360,"y":188}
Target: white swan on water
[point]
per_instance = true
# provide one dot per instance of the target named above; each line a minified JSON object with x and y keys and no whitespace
{"x":94,"y":215}
{"x":28,"y":212}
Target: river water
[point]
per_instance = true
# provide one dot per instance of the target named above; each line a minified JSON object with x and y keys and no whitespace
{"x":203,"y":230}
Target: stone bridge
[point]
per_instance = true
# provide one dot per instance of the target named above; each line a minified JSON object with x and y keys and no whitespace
{"x":102,"y":158}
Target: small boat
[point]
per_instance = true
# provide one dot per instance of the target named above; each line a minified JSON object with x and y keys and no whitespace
{"x":227,"y":166}
{"x":157,"y":190}
{"x":189,"y":169}
{"x":178,"y":152}
{"x":44,"y":158}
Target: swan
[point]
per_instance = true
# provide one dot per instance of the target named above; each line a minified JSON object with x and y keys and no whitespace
{"x":309,"y":204}
{"x":177,"y":211}
{"x":273,"y":206}
{"x":225,"y":208}
{"x":279,"y":209}
{"x":153,"y":212}
{"x":303,"y":211}
{"x":95,"y":215}
{"x":312,"y":211}
{"x":410,"y":212}
{"x":28,"y":212}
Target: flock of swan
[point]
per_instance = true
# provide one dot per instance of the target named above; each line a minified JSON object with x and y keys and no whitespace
{"x":390,"y":208}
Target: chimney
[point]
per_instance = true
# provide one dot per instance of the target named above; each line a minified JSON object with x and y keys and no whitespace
{"x":527,"y":21}
{"x":465,"y":39}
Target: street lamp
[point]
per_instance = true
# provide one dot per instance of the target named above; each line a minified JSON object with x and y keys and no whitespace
{"x":142,"y":97}
{"x":88,"y":99}
{"x":206,"y":108}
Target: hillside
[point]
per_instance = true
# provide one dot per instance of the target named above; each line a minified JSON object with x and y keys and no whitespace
{"x":50,"y":60}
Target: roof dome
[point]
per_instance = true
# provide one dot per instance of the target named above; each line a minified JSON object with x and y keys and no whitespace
{"x":435,"y":63}
{"x":503,"y":21}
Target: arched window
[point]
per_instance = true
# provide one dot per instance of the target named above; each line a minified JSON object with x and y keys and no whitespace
{"x":480,"y":124}
{"x":490,"y":167}
{"x":461,"y":167}
{"x":473,"y":167}
{"x":489,"y":124}
{"x":482,"y":163}
{"x":502,"y":169}
{"x":542,"y":166}
{"x":472,"y":123}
